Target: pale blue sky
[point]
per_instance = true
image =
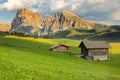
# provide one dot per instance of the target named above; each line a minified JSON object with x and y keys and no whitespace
{"x":99,"y":11}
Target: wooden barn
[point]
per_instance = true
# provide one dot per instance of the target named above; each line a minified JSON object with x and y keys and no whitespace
{"x":94,"y":50}
{"x":59,"y":48}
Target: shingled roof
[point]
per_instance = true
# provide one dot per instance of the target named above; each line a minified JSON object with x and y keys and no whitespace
{"x":95,"y":44}
{"x":58,"y":46}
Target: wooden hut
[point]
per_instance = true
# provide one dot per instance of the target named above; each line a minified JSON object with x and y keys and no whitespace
{"x":59,"y":48}
{"x":94,"y":50}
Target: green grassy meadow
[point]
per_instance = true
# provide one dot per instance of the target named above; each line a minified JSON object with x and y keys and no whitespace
{"x":30,"y":59}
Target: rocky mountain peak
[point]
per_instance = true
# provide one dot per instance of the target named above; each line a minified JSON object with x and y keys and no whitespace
{"x":27,"y":22}
{"x":68,"y":14}
{"x":47,"y":24}
{"x":69,"y":19}
{"x":49,"y":19}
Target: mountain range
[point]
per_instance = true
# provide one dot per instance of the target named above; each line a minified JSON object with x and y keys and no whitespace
{"x":64,"y":24}
{"x":32,"y":23}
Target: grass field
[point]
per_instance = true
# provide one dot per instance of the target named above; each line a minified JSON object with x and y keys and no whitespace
{"x":30,"y":59}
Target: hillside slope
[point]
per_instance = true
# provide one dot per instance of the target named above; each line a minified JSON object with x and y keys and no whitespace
{"x":100,"y":32}
{"x":29,"y":58}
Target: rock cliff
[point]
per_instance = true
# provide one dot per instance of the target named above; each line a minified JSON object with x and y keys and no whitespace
{"x":27,"y":22}
{"x":32,"y":23}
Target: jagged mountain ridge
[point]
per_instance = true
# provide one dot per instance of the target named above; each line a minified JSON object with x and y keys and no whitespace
{"x":74,"y":21}
{"x":32,"y":23}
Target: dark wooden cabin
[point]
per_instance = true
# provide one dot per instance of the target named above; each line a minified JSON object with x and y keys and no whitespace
{"x":94,"y":50}
{"x":59,"y":48}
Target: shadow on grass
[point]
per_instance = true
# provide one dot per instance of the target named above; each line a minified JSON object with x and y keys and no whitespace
{"x":26,"y":45}
{"x":34,"y":48}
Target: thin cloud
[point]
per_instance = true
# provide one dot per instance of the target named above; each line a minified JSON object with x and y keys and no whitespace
{"x":11,"y":5}
{"x":116,"y":15}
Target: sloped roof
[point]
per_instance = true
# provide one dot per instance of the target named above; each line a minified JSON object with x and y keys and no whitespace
{"x":57,"y":45}
{"x":95,"y":44}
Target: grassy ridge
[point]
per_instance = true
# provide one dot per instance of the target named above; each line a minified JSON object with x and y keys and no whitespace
{"x":30,"y":59}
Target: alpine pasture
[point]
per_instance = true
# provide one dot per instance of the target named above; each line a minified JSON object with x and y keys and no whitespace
{"x":30,"y":59}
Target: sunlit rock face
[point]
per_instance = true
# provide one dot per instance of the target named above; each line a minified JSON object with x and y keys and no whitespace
{"x":66,"y":19}
{"x":27,"y":22}
{"x":70,"y":20}
{"x":5,"y":27}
